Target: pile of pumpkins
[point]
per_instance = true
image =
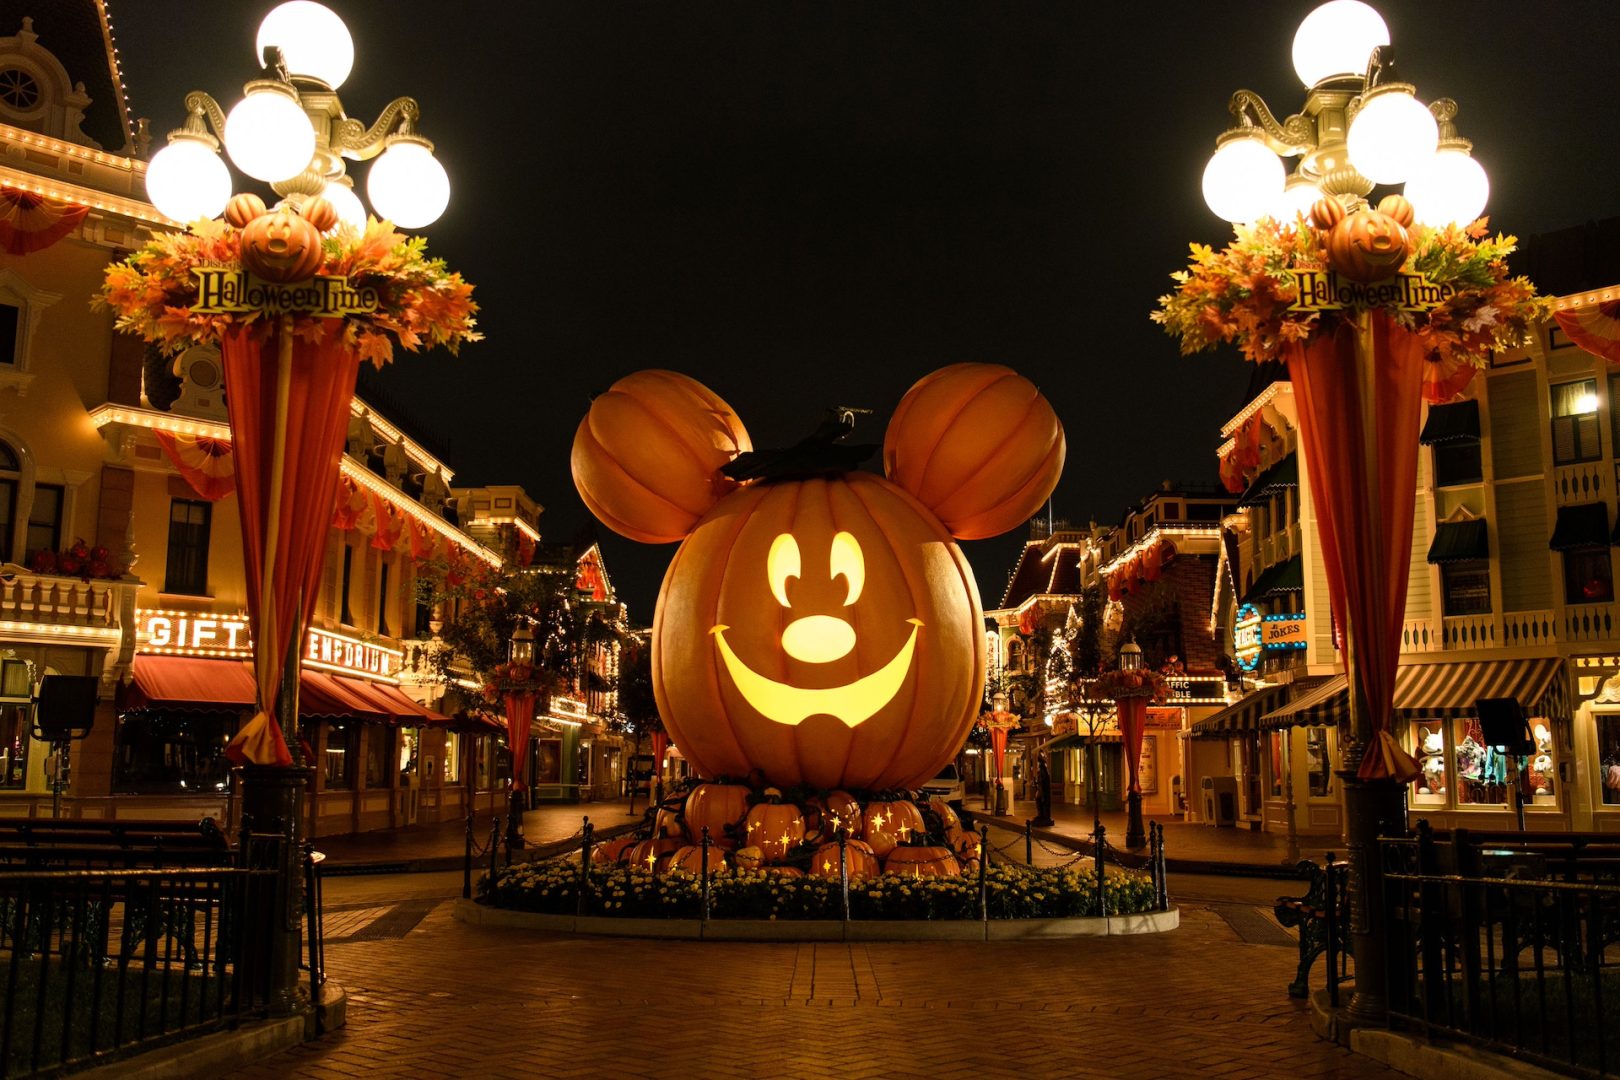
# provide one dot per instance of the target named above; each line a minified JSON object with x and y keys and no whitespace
{"x":754,"y":831}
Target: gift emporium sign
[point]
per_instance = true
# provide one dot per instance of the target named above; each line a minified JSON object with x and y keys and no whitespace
{"x":1324,"y":290}
{"x":190,"y":633}
{"x":222,"y":291}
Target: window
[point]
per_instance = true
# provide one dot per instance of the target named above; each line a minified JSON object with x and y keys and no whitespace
{"x":1466,"y":587}
{"x":382,"y":601}
{"x":424,"y":620}
{"x":346,"y":616}
{"x":10,"y":321}
{"x":173,"y":753}
{"x":1279,"y":766}
{"x":1318,"y":762}
{"x":1575,"y":422}
{"x":1588,"y":577}
{"x":1457,"y":461}
{"x":379,"y":755}
{"x":1429,"y":747}
{"x":14,"y":742}
{"x":452,"y":757}
{"x":1481,"y":770}
{"x":187,"y":570}
{"x":45,"y":519}
{"x":1538,"y":773}
{"x":337,"y":763}
{"x":1608,"y":734}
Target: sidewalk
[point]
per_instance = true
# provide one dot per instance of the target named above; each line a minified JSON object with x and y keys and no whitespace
{"x":1189,"y":848}
{"x":442,"y":846}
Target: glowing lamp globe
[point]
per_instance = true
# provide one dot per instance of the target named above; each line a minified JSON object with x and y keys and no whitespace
{"x":1243,"y":180}
{"x":268,"y":136}
{"x":350,"y":210}
{"x":186,"y":180}
{"x":1392,"y":137}
{"x":408,"y":186}
{"x":1297,"y":198}
{"x":312,"y":39}
{"x":1337,"y":39}
{"x":1450,"y":189}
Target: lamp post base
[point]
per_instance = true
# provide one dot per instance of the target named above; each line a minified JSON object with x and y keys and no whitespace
{"x":1371,"y":810}
{"x":1135,"y":831}
{"x":272,"y":834}
{"x":514,"y":821}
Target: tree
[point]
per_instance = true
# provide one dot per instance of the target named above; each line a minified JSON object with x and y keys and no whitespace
{"x":1087,"y":646}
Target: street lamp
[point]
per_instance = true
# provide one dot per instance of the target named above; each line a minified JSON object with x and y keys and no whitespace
{"x":1130,"y":659}
{"x":520,"y":657}
{"x":1360,"y":126}
{"x":290,"y":131}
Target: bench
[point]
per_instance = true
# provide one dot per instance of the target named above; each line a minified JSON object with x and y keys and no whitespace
{"x":51,"y":844}
{"x":1310,"y":914}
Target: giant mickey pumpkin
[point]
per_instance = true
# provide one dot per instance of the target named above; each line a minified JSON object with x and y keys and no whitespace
{"x":824,"y":629}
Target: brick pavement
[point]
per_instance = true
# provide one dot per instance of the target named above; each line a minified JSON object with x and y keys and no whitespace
{"x":442,"y":999}
{"x":447,"y":840}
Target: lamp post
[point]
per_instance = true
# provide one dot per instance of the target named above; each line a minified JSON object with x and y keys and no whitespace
{"x":290,"y":130}
{"x":519,"y":714}
{"x":1360,"y":126}
{"x":1130,"y":659}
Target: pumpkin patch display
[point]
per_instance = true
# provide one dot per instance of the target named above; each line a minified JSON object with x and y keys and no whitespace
{"x":819,"y":626}
{"x":720,"y":807}
{"x":922,"y":862}
{"x":1365,"y":245}
{"x":888,"y":824}
{"x":689,"y":860}
{"x":612,"y":852}
{"x":774,"y":828}
{"x":654,"y":854}
{"x":859,"y":857}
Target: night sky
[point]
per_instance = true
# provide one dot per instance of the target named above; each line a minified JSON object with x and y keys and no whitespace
{"x":810,"y":204}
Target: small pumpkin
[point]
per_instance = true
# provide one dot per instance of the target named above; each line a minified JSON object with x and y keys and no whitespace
{"x":887,"y":824}
{"x":667,"y":822}
{"x":748,"y":858}
{"x":282,"y":246}
{"x":244,"y":208}
{"x":786,"y":872}
{"x":1367,"y":245}
{"x":653,"y":855}
{"x":947,"y":816}
{"x":978,"y":445}
{"x":825,"y":814}
{"x":858,"y":856}
{"x":922,"y":862}
{"x":321,"y":214}
{"x":774,"y":828}
{"x":966,"y":845}
{"x":689,"y":859}
{"x":719,"y":806}
{"x":612,"y":852}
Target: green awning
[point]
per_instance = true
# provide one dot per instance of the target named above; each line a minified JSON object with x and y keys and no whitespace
{"x":1279,"y":478}
{"x":1448,"y":423}
{"x":1062,"y":742}
{"x":1458,"y":541}
{"x":1583,"y":526}
{"x":1285,"y":577}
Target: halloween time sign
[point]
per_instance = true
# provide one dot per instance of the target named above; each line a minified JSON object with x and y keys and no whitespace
{"x":223,"y":291}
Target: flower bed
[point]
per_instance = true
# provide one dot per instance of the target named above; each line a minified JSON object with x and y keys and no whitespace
{"x":1013,"y":892}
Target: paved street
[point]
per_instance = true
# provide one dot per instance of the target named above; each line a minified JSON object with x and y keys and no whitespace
{"x":430,"y":997}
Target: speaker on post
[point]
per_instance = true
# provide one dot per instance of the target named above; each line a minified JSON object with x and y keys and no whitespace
{"x":1502,"y":722}
{"x":66,"y":707}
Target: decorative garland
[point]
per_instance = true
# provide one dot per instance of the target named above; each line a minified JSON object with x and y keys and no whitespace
{"x":1139,"y":683}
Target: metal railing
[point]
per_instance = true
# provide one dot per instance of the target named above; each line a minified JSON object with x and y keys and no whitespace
{"x":99,"y":963}
{"x":1497,"y":949}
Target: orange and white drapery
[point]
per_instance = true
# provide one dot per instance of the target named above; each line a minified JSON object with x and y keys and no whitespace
{"x":1595,"y":329}
{"x":204,"y":462}
{"x":660,"y":747}
{"x":30,"y":222}
{"x":421,"y":540}
{"x":1132,"y":716}
{"x":999,"y":724}
{"x":390,"y":523}
{"x":1359,"y":390}
{"x":348,"y":506}
{"x":520,"y":706}
{"x":289,"y":413}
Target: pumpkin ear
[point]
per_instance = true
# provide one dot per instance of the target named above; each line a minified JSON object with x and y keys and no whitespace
{"x":648,"y":455}
{"x":321,"y":214}
{"x":978,"y":445}
{"x":1397,"y":207}
{"x":244,"y":208}
{"x":1326,"y":213}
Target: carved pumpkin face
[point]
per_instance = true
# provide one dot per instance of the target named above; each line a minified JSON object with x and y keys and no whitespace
{"x":822,"y":631}
{"x":1368,"y":245}
{"x":282,"y":246}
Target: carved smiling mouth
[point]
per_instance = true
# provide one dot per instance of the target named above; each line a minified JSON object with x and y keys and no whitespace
{"x":853,"y":703}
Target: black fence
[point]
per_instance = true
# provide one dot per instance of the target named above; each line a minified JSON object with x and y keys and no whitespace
{"x":99,"y":963}
{"x":1510,"y":941}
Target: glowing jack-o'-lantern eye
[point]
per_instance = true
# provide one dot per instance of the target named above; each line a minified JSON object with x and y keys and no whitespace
{"x":848,"y":562}
{"x":781,"y":564}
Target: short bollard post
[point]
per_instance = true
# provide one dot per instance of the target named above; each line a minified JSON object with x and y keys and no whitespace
{"x":586,"y":829}
{"x":1029,"y":845}
{"x":494,"y":847}
{"x":706,"y":842}
{"x":843,"y":870}
{"x":1164,"y":875}
{"x":1098,"y":839}
{"x":466,"y":861}
{"x":984,"y":861}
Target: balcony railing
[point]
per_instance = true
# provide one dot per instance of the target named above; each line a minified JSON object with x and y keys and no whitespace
{"x":50,"y":600}
{"x":1581,"y":483}
{"x":1589,"y":622}
{"x":1512,"y":630}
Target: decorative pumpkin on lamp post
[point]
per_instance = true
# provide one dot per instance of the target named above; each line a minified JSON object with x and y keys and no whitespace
{"x":818,"y":624}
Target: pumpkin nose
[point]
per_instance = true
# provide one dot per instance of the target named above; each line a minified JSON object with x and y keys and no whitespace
{"x":818,"y":639}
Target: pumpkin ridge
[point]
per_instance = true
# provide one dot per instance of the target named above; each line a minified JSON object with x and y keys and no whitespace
{"x":1013,"y":432}
{"x":709,"y":400}
{"x":956,"y":414}
{"x":657,"y":419}
{"x":1057,"y":452}
{"x":601,"y":445}
{"x":608,"y":461}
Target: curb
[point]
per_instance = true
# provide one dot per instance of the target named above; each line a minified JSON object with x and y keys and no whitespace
{"x":1209,"y":867}
{"x":1153,"y":922}
{"x":438,"y":863}
{"x":1415,"y":1056}
{"x":208,"y":1055}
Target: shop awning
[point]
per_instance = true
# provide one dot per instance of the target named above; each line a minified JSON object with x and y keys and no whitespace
{"x":1242,"y":715}
{"x":1583,"y":526}
{"x":1275,"y":480}
{"x":388,"y":701}
{"x":1285,"y":577}
{"x":1435,"y":690}
{"x":186,"y":682}
{"x":1075,"y":740}
{"x":320,"y":695}
{"x":1448,"y":423}
{"x":1459,"y":541}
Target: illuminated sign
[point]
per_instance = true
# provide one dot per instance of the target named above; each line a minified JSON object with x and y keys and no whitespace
{"x":1247,"y":637}
{"x":191,"y":633}
{"x":1323,"y":290}
{"x":1283,"y":632}
{"x":221,"y":291}
{"x":323,"y":649}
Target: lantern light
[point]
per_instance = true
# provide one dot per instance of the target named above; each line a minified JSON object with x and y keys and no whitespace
{"x":313,"y":41}
{"x":407,"y":184}
{"x":186,"y":180}
{"x":1244,"y":179}
{"x":1451,"y":189}
{"x":350,"y":211}
{"x":1392,"y":136}
{"x":267,"y":134}
{"x":1335,"y":40}
{"x":1297,"y":198}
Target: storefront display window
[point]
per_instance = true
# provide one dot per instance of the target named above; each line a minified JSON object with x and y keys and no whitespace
{"x":1278,"y":766}
{"x":337,"y":763}
{"x":1429,"y":747}
{"x":379,"y":755}
{"x":1539,"y":774}
{"x":173,"y":752}
{"x":1608,"y":733}
{"x":14,"y":743}
{"x":1318,"y":762}
{"x":1481,"y":770}
{"x":452,"y":757}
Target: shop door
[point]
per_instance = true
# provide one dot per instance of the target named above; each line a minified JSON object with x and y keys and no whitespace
{"x":1111,"y":769}
{"x":1253,"y":778}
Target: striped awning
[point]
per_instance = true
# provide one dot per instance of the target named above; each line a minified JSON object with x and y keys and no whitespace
{"x":1437,"y":690}
{"x":1240,"y":715}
